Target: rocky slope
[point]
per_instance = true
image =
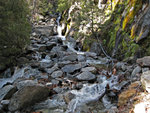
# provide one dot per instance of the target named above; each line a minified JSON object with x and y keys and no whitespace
{"x":52,"y":76}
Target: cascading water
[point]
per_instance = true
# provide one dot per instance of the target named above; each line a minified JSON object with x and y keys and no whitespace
{"x":89,"y":93}
{"x":59,"y":28}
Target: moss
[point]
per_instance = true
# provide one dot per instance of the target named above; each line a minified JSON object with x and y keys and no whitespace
{"x":134,"y":7}
{"x":133,"y":32}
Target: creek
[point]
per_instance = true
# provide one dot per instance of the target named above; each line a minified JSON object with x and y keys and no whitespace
{"x":80,"y":80}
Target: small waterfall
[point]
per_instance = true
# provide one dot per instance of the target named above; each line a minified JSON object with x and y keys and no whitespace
{"x":59,"y":30}
{"x":59,"y":27}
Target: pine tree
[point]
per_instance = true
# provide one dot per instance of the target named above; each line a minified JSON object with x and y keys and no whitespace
{"x":14,"y":30}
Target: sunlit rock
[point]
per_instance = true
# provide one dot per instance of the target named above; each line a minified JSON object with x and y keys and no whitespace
{"x":145,"y":80}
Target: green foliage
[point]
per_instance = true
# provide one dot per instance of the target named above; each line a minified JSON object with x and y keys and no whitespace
{"x":64,"y":5}
{"x":14,"y":30}
{"x":45,"y":7}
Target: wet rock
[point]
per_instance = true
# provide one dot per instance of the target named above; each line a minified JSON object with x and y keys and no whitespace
{"x":28,"y":96}
{"x":81,"y":58}
{"x":42,"y":76}
{"x":145,"y":61}
{"x":57,"y":49}
{"x":46,"y":63}
{"x":70,"y":58}
{"x":51,"y":70}
{"x":137,"y":70}
{"x":55,"y":82}
{"x":122,"y":66}
{"x":58,"y":90}
{"x":71,"y":68}
{"x":79,"y":85}
{"x":25,"y":83}
{"x":57,"y":74}
{"x":49,"y":104}
{"x":7,"y":91}
{"x":5,"y":102}
{"x":91,"y":54}
{"x":106,"y":102}
{"x":63,"y":63}
{"x":145,"y":80}
{"x":90,"y":69}
{"x":101,"y":78}
{"x":86,"y":76}
{"x":119,"y":65}
{"x":86,"y":95}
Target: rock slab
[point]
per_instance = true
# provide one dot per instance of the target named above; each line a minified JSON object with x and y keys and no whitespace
{"x":27,"y":96}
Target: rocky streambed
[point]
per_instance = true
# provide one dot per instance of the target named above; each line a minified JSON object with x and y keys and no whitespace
{"x":53,"y":77}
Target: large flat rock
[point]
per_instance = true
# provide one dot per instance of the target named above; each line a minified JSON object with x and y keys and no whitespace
{"x":27,"y":97}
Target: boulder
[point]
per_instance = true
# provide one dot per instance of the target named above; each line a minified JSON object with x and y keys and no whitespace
{"x":90,"y":69}
{"x":86,"y":76}
{"x":25,"y":83}
{"x":145,"y":61}
{"x":51,"y":70}
{"x":137,"y":70}
{"x":46,"y":63}
{"x":81,"y":58}
{"x":57,"y":74}
{"x":71,"y":68}
{"x":27,"y":97}
{"x":91,"y":54}
{"x":70,"y":58}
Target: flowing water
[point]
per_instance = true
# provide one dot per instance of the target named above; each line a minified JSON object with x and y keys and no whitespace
{"x":92,"y":97}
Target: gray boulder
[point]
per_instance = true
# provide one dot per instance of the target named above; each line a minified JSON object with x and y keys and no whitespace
{"x":71,"y":68}
{"x":70,"y":58}
{"x":86,"y":76}
{"x":27,"y":97}
{"x":137,"y":70}
{"x":25,"y":83}
{"x":90,"y":69}
{"x":57,"y":74}
{"x":145,"y":61}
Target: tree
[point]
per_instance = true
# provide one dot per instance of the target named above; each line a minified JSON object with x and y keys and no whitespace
{"x":14,"y":30}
